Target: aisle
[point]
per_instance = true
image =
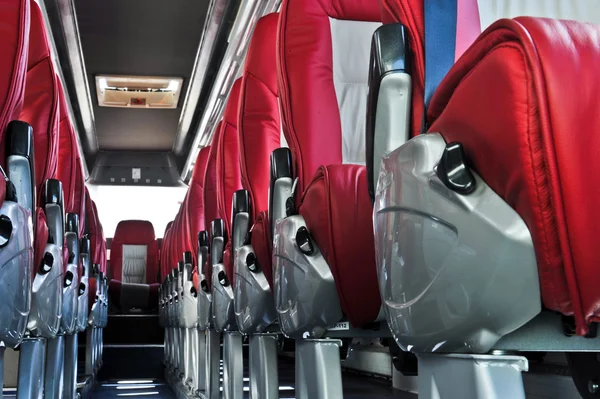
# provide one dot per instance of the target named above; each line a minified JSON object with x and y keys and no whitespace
{"x":139,"y":389}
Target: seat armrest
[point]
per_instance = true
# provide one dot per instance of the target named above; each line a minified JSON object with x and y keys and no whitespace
{"x":240,"y":218}
{"x":54,"y":210}
{"x":389,"y":97}
{"x":21,"y":164}
{"x":218,"y":240}
{"x":281,"y":184}
{"x":188,"y":266}
{"x":203,"y":250}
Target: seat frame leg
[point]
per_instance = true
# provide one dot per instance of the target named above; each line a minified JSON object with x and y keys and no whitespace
{"x":188,"y":354}
{"x":55,"y":363}
{"x":32,"y":361}
{"x":318,"y":369}
{"x":2,"y":349}
{"x":200,"y":356}
{"x":233,"y":365}
{"x":212,"y":363}
{"x":489,"y":376}
{"x":70,"y":371}
{"x":89,"y":351}
{"x":264,"y":377}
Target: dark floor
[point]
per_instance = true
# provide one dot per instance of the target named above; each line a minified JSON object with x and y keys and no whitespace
{"x":355,"y":387}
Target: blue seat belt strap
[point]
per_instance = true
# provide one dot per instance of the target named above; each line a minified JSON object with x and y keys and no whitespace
{"x":440,"y":42}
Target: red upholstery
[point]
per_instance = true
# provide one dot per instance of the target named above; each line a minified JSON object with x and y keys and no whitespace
{"x":67,"y":155}
{"x":134,"y":232}
{"x":334,"y":193}
{"x":194,"y":210}
{"x":41,"y":102}
{"x":165,"y":266}
{"x":313,"y":130}
{"x":101,"y":251}
{"x":229,"y":178}
{"x":211,"y":207}
{"x":311,"y":119}
{"x":259,"y":131}
{"x":14,"y":47}
{"x":259,"y":127}
{"x":514,"y":100}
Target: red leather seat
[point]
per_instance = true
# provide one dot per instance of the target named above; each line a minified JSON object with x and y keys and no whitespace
{"x":41,"y":111}
{"x":165,"y":266}
{"x":134,"y":266}
{"x":211,"y":209}
{"x":259,"y":131}
{"x":194,"y":210}
{"x":536,"y":167}
{"x":134,"y":253}
{"x":323,"y":61}
{"x":229,"y":178}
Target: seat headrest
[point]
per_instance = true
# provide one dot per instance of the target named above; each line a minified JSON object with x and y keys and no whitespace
{"x":261,"y":58}
{"x":199,"y":172}
{"x":211,"y":208}
{"x":134,"y":232}
{"x":41,"y":102}
{"x":230,"y":115}
{"x":14,"y":48}
{"x":67,"y":154}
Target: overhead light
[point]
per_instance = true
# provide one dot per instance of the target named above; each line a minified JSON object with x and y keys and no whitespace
{"x":138,"y":91}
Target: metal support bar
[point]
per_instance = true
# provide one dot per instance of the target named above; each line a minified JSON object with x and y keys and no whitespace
{"x":200,"y":356}
{"x":189,"y":358}
{"x":233,"y":365}
{"x":70,"y":373}
{"x":318,"y":369}
{"x":212,"y":363}
{"x":181,"y":352}
{"x":2,"y":349}
{"x":30,"y":381}
{"x":89,"y":351}
{"x":480,"y":376}
{"x":55,"y":363}
{"x":264,"y":378}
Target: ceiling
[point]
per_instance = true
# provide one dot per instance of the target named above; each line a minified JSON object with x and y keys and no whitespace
{"x":144,"y":38}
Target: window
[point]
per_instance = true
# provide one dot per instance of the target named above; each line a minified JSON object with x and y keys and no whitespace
{"x":159,"y":205}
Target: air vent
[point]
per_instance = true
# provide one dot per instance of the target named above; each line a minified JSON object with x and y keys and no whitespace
{"x":138,"y":91}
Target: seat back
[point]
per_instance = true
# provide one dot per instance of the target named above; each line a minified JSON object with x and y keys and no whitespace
{"x":15,"y":47}
{"x":229,"y":178}
{"x":134,"y":253}
{"x":165,"y":267}
{"x":194,"y":210}
{"x":323,"y":61}
{"x":211,"y":208}
{"x":259,"y":121}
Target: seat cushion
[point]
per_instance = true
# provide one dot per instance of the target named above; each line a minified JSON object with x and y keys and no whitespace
{"x":194,"y":210}
{"x":126,"y":296}
{"x":338,"y":214}
{"x":523,"y":101}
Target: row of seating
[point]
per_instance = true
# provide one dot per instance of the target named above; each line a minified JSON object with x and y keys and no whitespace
{"x":474,"y":224}
{"x":53,"y":252}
